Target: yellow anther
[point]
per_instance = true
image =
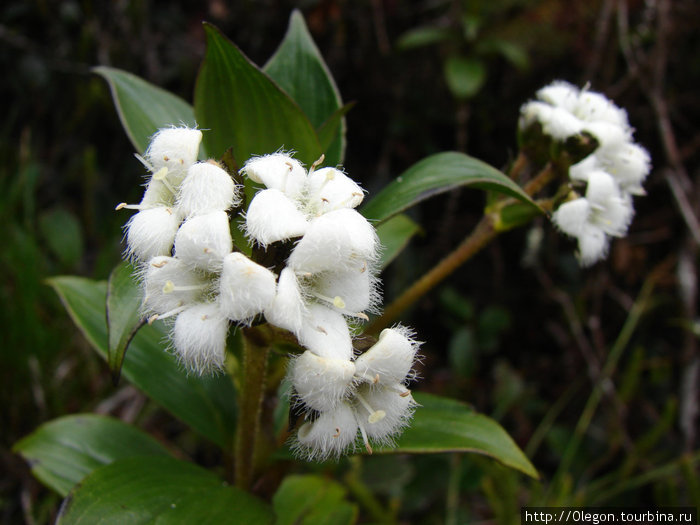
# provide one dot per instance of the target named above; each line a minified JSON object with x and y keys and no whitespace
{"x":377,"y":416}
{"x":168,"y":287}
{"x":161,"y":173}
{"x":338,"y":302}
{"x":121,"y":206}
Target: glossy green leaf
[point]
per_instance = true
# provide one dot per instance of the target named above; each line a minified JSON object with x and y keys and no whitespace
{"x":245,"y":110}
{"x":159,"y":490}
{"x":63,"y":235}
{"x":328,"y":133}
{"x":63,"y":451}
{"x":446,"y":425}
{"x":144,"y":108}
{"x":124,"y":299}
{"x":394,"y":235}
{"x":312,"y":500}
{"x":464,"y":76}
{"x":437,"y":174}
{"x":298,"y":67}
{"x":207,"y":404}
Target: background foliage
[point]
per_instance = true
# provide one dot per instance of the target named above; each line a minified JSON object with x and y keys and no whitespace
{"x":529,"y":345}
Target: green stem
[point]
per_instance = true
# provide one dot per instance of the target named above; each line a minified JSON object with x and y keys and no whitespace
{"x":483,"y":233}
{"x":256,"y":347}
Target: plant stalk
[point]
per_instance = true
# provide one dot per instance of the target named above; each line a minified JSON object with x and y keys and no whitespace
{"x":256,"y":348}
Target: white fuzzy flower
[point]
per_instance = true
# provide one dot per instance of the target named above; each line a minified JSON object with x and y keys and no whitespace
{"x":246,"y":289}
{"x":325,"y":332}
{"x":390,"y":359}
{"x":602,"y":213}
{"x":151,"y":232}
{"x":204,"y":240}
{"x":173,"y":150}
{"x":207,"y":188}
{"x":330,"y":434}
{"x":382,"y":413}
{"x":294,"y":198}
{"x":321,"y":383}
{"x":199,"y":337}
{"x":170,"y":286}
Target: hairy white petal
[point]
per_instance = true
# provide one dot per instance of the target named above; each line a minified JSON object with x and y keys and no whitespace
{"x":582,"y":169}
{"x":151,"y":232}
{"x":608,"y":135}
{"x":246,"y":288}
{"x":272,"y":216}
{"x":325,"y":332}
{"x":592,"y":245}
{"x":169,"y":284}
{"x":337,"y":240}
{"x":560,"y":93}
{"x":277,"y":171}
{"x":320,"y":382}
{"x":199,"y":337}
{"x":330,"y":189}
{"x":397,"y":408}
{"x":288,"y":307}
{"x":571,"y":217}
{"x":204,"y":240}
{"x":562,"y":124}
{"x":330,"y":435}
{"x":175,"y":149}
{"x":157,"y":194}
{"x":629,"y":165}
{"x":592,"y":106}
{"x":353,"y":290}
{"x":534,"y":111}
{"x":207,"y":188}
{"x":390,"y":360}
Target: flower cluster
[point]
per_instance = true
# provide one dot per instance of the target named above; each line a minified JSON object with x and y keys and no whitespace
{"x":194,"y":276}
{"x":180,"y":239}
{"x":612,"y":174}
{"x":327,"y":282}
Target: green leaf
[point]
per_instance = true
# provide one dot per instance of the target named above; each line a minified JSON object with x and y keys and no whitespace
{"x":207,"y":403}
{"x":144,"y":108}
{"x":424,"y":36}
{"x":245,"y":110}
{"x":298,"y":68}
{"x":124,"y":299}
{"x":446,"y":425}
{"x":63,"y":451}
{"x":312,"y":500}
{"x":328,"y":133}
{"x":63,"y":235}
{"x":437,"y":174}
{"x":464,"y":76}
{"x":394,"y":235}
{"x":159,"y":490}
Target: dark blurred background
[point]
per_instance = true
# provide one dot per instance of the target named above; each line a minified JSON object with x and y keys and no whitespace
{"x":524,"y":343}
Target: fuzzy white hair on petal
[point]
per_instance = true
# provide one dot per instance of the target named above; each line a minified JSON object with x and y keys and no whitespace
{"x":335,"y":241}
{"x":246,"y":288}
{"x":325,"y":332}
{"x":390,"y":359}
{"x":288,"y":307}
{"x":207,"y":188}
{"x":204,"y":240}
{"x":199,"y":338}
{"x":330,"y":189}
{"x":175,"y":149}
{"x":560,"y":93}
{"x":272,"y":216}
{"x":170,"y":285}
{"x":572,"y":216}
{"x":592,"y":245}
{"x":277,"y":171}
{"x":151,"y":232}
{"x":383,"y":412}
{"x":331,"y":434}
{"x":321,"y":383}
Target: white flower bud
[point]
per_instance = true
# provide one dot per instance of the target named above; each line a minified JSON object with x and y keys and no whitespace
{"x":277,"y":171}
{"x":204,"y":240}
{"x":325,"y":332}
{"x":629,"y":165}
{"x":608,"y":135}
{"x":288,"y":307}
{"x":592,"y":245}
{"x":151,"y":232}
{"x":330,"y":189}
{"x":534,"y":111}
{"x":175,"y":149}
{"x":207,"y":188}
{"x":272,"y":216}
{"x":390,"y":360}
{"x":199,"y":337}
{"x":560,"y":93}
{"x":331,"y":434}
{"x":321,"y":383}
{"x":169,"y":285}
{"x":582,"y":169}
{"x":562,"y":124}
{"x":592,"y":106}
{"x":336,"y":241}
{"x":246,"y":288}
